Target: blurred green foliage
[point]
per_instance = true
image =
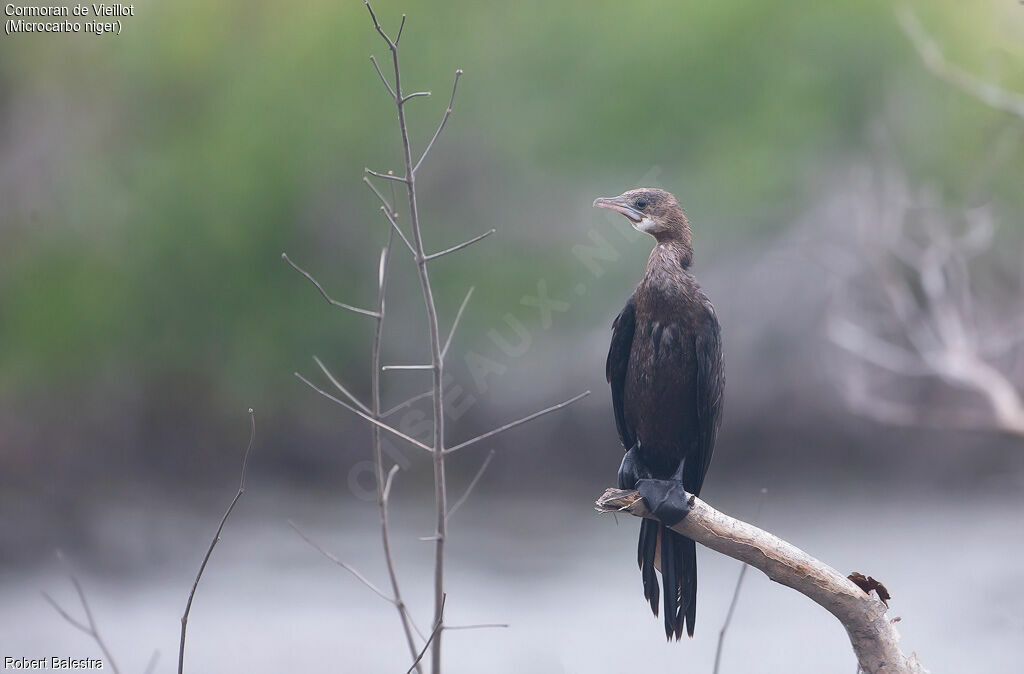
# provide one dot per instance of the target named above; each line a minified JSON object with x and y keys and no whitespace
{"x":161,"y":173}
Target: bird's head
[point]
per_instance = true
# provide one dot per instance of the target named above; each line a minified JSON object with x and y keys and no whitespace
{"x":653,"y":211}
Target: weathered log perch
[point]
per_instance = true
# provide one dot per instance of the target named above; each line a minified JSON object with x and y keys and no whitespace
{"x":873,"y":635}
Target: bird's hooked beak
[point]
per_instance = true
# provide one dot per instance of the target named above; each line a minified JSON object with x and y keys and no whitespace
{"x":619,"y":205}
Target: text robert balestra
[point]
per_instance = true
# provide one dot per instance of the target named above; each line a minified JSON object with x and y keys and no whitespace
{"x":53,"y":663}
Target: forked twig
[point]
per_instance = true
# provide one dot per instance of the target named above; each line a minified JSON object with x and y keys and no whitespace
{"x":375,"y":422}
{"x":337,"y":385}
{"x":433,"y":635}
{"x":90,"y":629}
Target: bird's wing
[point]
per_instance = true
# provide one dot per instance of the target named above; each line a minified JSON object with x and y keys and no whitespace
{"x":617,"y":364}
{"x":710,"y":389}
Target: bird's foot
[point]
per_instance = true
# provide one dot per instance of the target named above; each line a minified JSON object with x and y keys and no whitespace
{"x":632,"y":469}
{"x":665,"y":499}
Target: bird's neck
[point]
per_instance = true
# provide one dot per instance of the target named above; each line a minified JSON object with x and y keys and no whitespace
{"x":670,"y":256}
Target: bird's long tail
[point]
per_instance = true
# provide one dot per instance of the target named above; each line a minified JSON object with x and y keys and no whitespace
{"x":675,"y":556}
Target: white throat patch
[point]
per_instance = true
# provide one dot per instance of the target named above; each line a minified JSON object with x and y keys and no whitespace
{"x":646,"y":225}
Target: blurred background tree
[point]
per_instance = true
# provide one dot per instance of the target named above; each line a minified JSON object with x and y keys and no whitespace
{"x":151,"y":180}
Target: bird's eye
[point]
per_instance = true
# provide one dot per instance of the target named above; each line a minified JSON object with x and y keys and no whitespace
{"x":641,"y":204}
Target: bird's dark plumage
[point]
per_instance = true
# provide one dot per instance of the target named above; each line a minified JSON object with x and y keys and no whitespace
{"x":665,"y":371}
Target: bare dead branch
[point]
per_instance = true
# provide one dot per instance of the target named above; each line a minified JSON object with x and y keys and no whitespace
{"x":455,"y":323}
{"x":216,"y":539}
{"x":481,"y":626}
{"x":387,"y":368}
{"x":932,"y":308}
{"x":444,"y":120}
{"x":930,"y":53}
{"x":434,"y":256}
{"x":440,"y":489}
{"x":872,"y":635}
{"x":375,"y":422}
{"x":415,"y":95}
{"x":337,"y":385}
{"x":348,"y":567}
{"x":332,"y":302}
{"x":472,"y":484}
{"x":89,"y":628}
{"x":502,"y":429}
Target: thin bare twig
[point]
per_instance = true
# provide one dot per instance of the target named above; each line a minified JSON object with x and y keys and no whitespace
{"x":455,"y":323}
{"x":472,"y":484}
{"x":382,"y":78}
{"x":348,"y":567}
{"x":216,"y":539}
{"x":332,"y":302}
{"x":90,"y":629}
{"x":434,"y":256}
{"x":735,"y":594}
{"x":395,"y":227}
{"x":502,"y":429}
{"x":386,"y":368}
{"x":153,"y":660}
{"x":444,"y":120}
{"x":387,"y":176}
{"x":375,"y":422}
{"x":481,"y":626}
{"x":384,"y":202}
{"x":406,"y":403}
{"x":337,"y":385}
{"x":401,"y":26}
{"x":414,"y":95}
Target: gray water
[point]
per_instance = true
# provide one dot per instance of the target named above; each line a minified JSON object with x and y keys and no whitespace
{"x":562,"y":577}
